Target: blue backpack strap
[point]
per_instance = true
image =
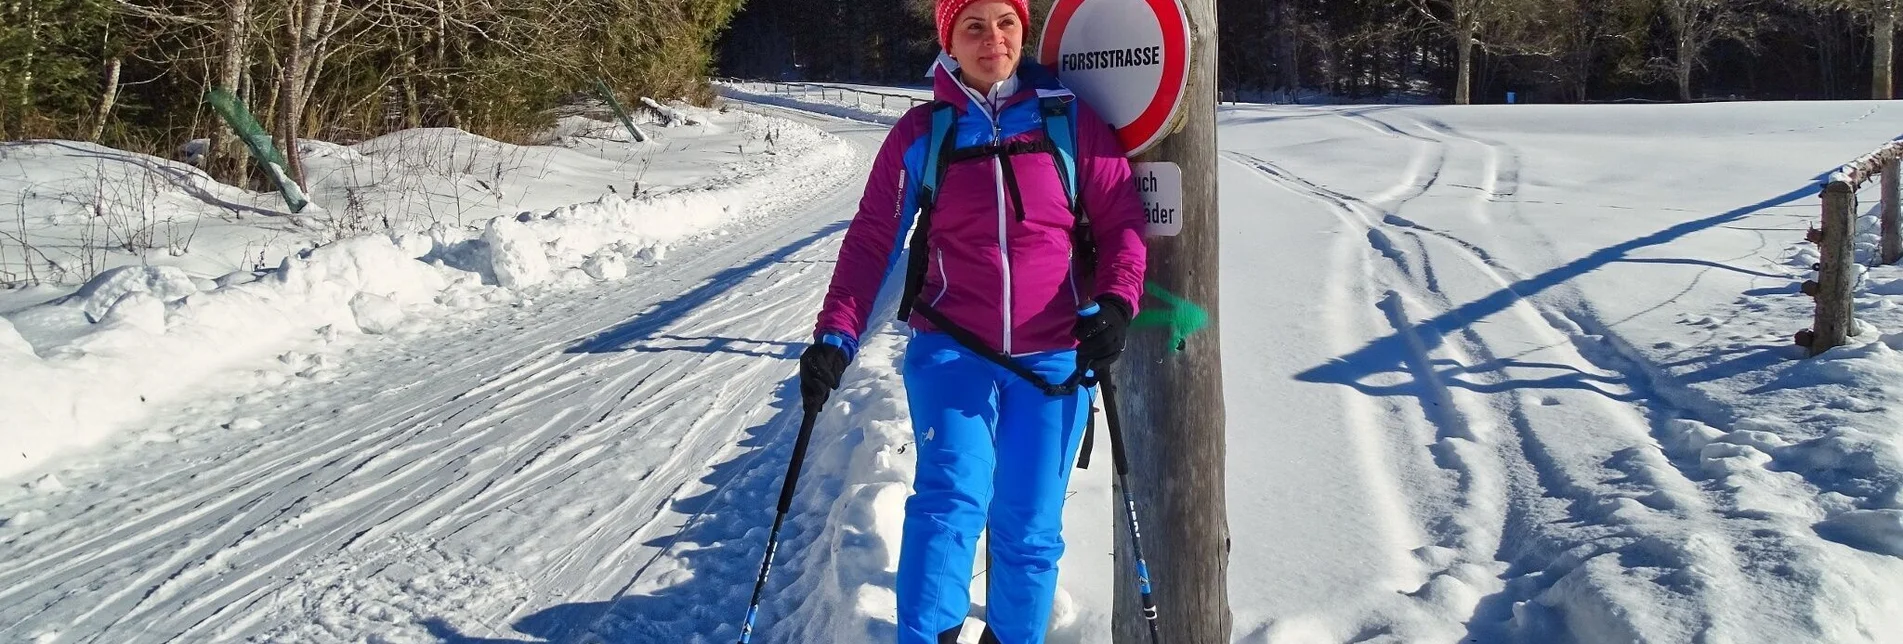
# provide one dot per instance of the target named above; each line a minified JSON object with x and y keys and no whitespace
{"x":944,"y":121}
{"x":1059,"y":129}
{"x":944,"y":117}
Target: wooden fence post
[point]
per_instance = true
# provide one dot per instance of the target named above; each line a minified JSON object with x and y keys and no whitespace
{"x":1892,"y":195}
{"x":1836,"y":275}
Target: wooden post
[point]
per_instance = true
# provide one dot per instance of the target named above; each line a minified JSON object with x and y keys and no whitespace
{"x":1172,"y":405}
{"x":1892,"y":202}
{"x":1837,"y":275}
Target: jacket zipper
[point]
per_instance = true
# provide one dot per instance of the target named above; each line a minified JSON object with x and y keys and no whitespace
{"x":1004,"y":245}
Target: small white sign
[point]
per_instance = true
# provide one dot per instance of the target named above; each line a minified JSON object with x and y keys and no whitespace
{"x":1161,"y":187}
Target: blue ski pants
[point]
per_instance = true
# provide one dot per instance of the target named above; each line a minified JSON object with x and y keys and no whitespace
{"x":993,"y":450}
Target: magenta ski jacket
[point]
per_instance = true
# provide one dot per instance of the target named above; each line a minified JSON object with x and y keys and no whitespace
{"x":1000,"y":273}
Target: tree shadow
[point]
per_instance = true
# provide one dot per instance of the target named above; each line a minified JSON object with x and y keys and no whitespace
{"x":649,"y":324}
{"x":1745,"y":360}
{"x":1389,"y":354}
{"x":1702,"y":262}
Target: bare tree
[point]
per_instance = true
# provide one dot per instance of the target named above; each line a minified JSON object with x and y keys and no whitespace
{"x":224,"y":159}
{"x":1287,"y":41}
{"x":1696,"y":25}
{"x":1575,"y":39}
{"x":29,"y":13}
{"x":1471,"y":23}
{"x":108,"y":97}
{"x":305,"y":24}
{"x":1882,"y":17}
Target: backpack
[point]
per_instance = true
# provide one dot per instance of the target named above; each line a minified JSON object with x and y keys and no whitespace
{"x":1060,"y":140}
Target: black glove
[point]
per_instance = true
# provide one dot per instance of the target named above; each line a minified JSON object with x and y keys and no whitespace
{"x":820,"y":369}
{"x":1100,"y":335}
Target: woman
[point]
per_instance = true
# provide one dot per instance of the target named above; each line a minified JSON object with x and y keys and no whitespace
{"x":1000,"y":315}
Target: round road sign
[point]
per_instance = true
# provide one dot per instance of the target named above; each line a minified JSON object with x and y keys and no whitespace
{"x":1127,"y":59}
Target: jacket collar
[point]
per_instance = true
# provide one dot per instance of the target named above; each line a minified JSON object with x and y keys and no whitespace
{"x":1033,"y":81}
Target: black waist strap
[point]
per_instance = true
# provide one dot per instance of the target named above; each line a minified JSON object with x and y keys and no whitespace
{"x":971,"y":342}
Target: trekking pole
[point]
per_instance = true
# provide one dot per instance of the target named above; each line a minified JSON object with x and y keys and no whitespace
{"x":1129,"y":503}
{"x":786,"y":503}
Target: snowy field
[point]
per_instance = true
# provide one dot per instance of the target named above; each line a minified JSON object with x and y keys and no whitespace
{"x":1495,"y":374}
{"x":1566,"y":403}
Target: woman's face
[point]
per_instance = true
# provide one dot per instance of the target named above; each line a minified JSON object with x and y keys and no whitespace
{"x":987,"y":41}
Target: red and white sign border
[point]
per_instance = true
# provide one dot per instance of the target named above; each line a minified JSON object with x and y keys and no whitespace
{"x":1154,"y":123}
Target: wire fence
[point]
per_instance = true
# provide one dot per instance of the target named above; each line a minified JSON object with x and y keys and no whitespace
{"x":860,"y":98}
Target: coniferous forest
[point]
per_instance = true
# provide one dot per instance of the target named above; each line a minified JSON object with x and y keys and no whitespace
{"x":134,"y":73}
{"x":1541,"y":50}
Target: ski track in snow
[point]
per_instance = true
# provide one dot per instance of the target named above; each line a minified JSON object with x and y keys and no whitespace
{"x":487,"y":465}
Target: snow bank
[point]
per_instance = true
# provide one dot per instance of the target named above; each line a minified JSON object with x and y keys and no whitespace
{"x":842,"y":591}
{"x":151,"y":345}
{"x":87,"y":208}
{"x":517,"y":257}
{"x":670,"y":116}
{"x":569,"y":128}
{"x":165,"y":283}
{"x":82,"y":366}
{"x":1828,"y":427}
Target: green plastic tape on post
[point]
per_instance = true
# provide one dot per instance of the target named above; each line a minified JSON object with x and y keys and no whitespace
{"x":1179,"y":315}
{"x":609,"y":95}
{"x":262,"y":148}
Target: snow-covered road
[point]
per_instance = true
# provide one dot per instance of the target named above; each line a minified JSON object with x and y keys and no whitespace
{"x":1495,"y":374}
{"x":451,"y":484}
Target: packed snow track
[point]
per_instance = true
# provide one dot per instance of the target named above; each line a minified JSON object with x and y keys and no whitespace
{"x":509,"y":474}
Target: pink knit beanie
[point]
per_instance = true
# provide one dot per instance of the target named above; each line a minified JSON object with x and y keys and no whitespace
{"x":948,"y":11}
